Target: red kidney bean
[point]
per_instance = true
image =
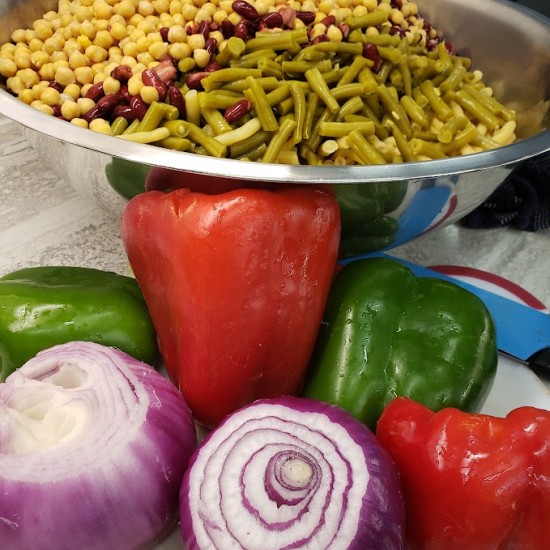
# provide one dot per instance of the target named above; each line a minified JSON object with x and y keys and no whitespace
{"x":227,"y":28}
{"x":328,"y":20}
{"x":190,"y":28}
{"x":431,"y":43}
{"x":370,"y":51}
{"x":164,"y":33}
{"x":203,"y":29}
{"x":271,"y":20}
{"x":122,"y":73}
{"x":125,"y":93}
{"x":56,"y":86}
{"x":166,"y":70}
{"x":124,"y":111}
{"x":242,"y":30}
{"x":57,"y":111}
{"x":244,"y":9}
{"x":91,"y":114}
{"x":193,"y":80}
{"x":138,"y":106}
{"x":108,"y":102}
{"x":320,"y":38}
{"x":306,"y":17}
{"x":95,"y":92}
{"x":175,"y":98}
{"x":151,"y":78}
{"x":211,"y":45}
{"x":398,"y":4}
{"x":394,"y":29}
{"x":237,"y":110}
{"x":212,"y":66}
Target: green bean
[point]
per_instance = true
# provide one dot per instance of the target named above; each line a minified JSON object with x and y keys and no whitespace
{"x":252,"y":59}
{"x":485,"y":142}
{"x":454,"y":78}
{"x":254,"y":154}
{"x":426,"y":148}
{"x":355,"y":89}
{"x":414,"y":111}
{"x":290,"y":67}
{"x":217,"y":101}
{"x":366,"y":77}
{"x":419,"y":62}
{"x":310,"y":156}
{"x":240,"y":85}
{"x":475,"y":108}
{"x":278,"y":141}
{"x":490,"y":103}
{"x":384,"y":72}
{"x":393,"y":55}
{"x":420,"y":98}
{"x":366,"y":153}
{"x":285,"y":106}
{"x":441,"y":109}
{"x":372,"y":101}
{"x":396,"y":79}
{"x":341,"y":129}
{"x":234,"y":47}
{"x":315,"y":139}
{"x":299,"y":101}
{"x":403,"y":145}
{"x":119,"y":125}
{"x":425,"y":135}
{"x":269,"y":67}
{"x":288,"y":156}
{"x":245,"y":131}
{"x":342,"y":48}
{"x":223,"y":76}
{"x":319,"y":86}
{"x":406,"y":78}
{"x":151,"y":119}
{"x":175,"y":143}
{"x":367,"y":20}
{"x":132,"y":127}
{"x":177,"y":128}
{"x":391,"y":40}
{"x":278,"y":94}
{"x":242,"y":148}
{"x":358,"y":64}
{"x":331,"y":77}
{"x":211,"y":145}
{"x":394,"y":109}
{"x":379,"y":130}
{"x":446,"y":133}
{"x":461,"y":139}
{"x":311,"y":108}
{"x":186,"y":64}
{"x":351,"y":106}
{"x":256,"y":94}
{"x":146,"y":136}
{"x":284,"y":40}
{"x":215,"y":120}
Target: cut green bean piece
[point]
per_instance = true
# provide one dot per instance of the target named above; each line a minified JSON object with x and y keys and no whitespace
{"x":405,"y":149}
{"x":342,"y":48}
{"x":242,"y":148}
{"x":234,"y":47}
{"x":266,"y":82}
{"x":442,"y":110}
{"x":351,"y":106}
{"x":320,"y":87}
{"x":269,"y":67}
{"x":261,"y":106}
{"x":454,"y":78}
{"x":119,"y":125}
{"x":380,"y":131}
{"x":278,"y":140}
{"x":414,"y":111}
{"x":355,"y":89}
{"x":290,"y":67}
{"x":366,"y":152}
{"x":211,"y":145}
{"x":450,"y":128}
{"x":177,"y":128}
{"x":251,"y":60}
{"x":426,"y":148}
{"x":254,"y":154}
{"x":394,"y":109}
{"x":278,"y":94}
{"x":358,"y":64}
{"x":175,"y":143}
{"x":299,"y":101}
{"x":367,"y":20}
{"x":490,"y":103}
{"x":311,"y":108}
{"x":217,"y":101}
{"x":341,"y":129}
{"x":147,"y":136}
{"x":366,"y":77}
{"x":461,"y":139}
{"x":475,"y":108}
{"x":216,"y":78}
{"x":132,"y":127}
{"x":246,"y":131}
{"x":284,"y":40}
{"x":215,"y":120}
{"x":153,"y":116}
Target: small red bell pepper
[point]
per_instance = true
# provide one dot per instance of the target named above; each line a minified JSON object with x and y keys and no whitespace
{"x":236,"y":284}
{"x":471,"y":481}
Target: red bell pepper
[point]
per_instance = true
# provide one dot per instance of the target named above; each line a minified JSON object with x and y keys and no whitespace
{"x":236,"y":284}
{"x":471,"y":481}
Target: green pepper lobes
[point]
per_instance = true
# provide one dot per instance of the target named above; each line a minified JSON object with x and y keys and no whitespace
{"x":388,"y":333}
{"x":44,"y":306}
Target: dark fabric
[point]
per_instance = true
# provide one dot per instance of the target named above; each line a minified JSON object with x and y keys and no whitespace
{"x":522,"y":201}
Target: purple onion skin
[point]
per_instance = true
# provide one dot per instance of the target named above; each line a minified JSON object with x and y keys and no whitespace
{"x":119,"y":493}
{"x":381,"y":524}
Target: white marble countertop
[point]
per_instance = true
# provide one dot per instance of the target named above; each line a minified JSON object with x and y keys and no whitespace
{"x":43,"y":221}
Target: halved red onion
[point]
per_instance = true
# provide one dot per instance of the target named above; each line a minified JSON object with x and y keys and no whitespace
{"x":291,"y":473}
{"x":93,"y":447}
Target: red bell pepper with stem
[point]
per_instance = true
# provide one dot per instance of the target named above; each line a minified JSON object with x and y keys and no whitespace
{"x":236,"y":284}
{"x":471,"y":481}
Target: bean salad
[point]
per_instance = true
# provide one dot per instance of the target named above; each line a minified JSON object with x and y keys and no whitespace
{"x":329,"y":82}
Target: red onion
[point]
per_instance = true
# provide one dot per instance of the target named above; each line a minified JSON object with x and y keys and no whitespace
{"x":291,"y":473}
{"x":93,"y":447}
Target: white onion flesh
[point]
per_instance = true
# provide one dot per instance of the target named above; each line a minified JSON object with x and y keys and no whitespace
{"x":291,"y":473}
{"x":93,"y":447}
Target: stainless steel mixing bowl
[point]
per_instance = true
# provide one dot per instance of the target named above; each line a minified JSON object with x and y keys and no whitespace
{"x":509,"y":43}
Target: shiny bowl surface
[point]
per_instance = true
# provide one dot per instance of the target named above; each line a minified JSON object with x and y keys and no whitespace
{"x":509,"y":43}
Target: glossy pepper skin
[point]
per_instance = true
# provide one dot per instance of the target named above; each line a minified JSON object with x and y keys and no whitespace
{"x":387,"y":333}
{"x":44,"y":306}
{"x":236,"y":284}
{"x":471,"y":481}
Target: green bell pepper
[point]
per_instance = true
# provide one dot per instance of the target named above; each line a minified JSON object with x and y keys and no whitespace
{"x":388,"y":333}
{"x":44,"y":306}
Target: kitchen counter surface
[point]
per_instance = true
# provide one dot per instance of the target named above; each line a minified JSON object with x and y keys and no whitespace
{"x":43,"y":221}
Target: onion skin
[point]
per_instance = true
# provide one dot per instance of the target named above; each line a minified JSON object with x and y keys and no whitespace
{"x":233,"y":494}
{"x":111,"y":479}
